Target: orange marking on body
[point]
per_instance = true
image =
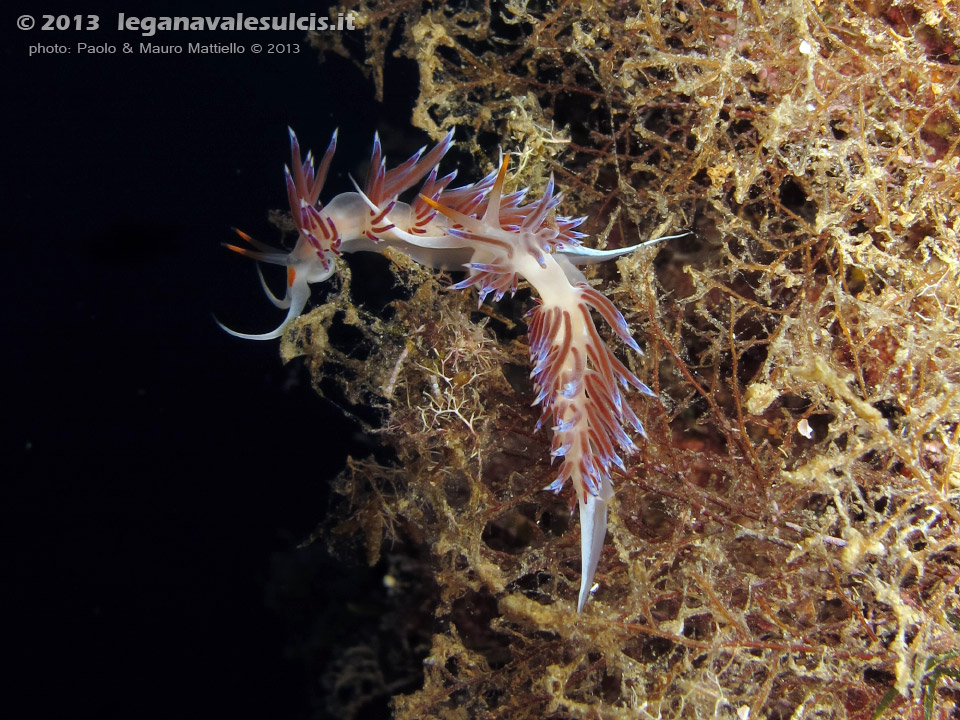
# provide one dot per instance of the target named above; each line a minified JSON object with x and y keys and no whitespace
{"x":458,"y":217}
{"x":291,"y":276}
{"x":243,"y":235}
{"x":442,"y":209}
{"x":498,"y":185}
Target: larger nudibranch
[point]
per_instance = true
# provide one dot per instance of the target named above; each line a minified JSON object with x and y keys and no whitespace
{"x":499,"y":240}
{"x":575,"y":372}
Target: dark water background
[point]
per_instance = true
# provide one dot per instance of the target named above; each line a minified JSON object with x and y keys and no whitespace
{"x":158,"y":474}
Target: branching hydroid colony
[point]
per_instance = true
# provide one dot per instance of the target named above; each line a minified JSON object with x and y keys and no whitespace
{"x":499,"y":240}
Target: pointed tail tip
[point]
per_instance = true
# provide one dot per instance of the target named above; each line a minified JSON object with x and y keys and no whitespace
{"x":593,"y":529}
{"x":587,"y":588}
{"x":584,"y":596}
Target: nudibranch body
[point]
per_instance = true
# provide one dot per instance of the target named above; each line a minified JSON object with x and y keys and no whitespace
{"x":499,"y":240}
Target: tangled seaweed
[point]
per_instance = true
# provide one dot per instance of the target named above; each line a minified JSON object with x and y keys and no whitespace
{"x":786,"y":545}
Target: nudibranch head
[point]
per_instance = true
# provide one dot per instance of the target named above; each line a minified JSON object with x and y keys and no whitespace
{"x":350,"y":222}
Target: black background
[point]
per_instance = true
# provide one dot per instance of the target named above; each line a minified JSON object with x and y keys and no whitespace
{"x":159,"y":474}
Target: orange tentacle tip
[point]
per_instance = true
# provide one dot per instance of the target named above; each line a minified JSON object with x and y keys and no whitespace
{"x":236,"y":249}
{"x":442,"y":209}
{"x":501,"y":175}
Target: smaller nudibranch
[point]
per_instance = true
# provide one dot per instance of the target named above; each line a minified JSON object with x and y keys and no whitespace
{"x":499,"y":240}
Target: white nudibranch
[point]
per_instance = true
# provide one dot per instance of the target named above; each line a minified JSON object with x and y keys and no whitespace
{"x":579,"y":381}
